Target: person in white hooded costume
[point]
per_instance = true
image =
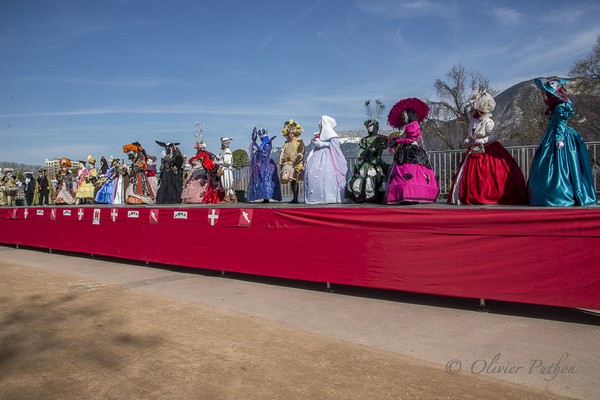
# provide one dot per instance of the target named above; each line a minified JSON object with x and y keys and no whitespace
{"x":326,"y":166}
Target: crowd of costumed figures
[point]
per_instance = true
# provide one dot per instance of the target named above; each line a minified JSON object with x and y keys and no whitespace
{"x":560,"y":173}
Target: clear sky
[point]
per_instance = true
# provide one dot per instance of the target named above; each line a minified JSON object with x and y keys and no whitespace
{"x":81,"y":77}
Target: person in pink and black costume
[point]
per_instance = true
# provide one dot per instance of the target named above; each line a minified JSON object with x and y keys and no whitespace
{"x":411,"y":178}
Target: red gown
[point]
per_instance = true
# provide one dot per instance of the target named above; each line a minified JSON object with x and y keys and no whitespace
{"x":488,"y":177}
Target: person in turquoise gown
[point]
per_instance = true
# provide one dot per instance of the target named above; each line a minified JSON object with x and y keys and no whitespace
{"x":560,"y":173}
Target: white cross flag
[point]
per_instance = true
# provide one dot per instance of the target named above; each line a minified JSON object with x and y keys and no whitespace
{"x":213,"y":216}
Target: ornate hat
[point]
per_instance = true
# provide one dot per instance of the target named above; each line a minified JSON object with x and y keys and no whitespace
{"x":64,"y":162}
{"x":132,"y":147}
{"x":293,"y":127}
{"x":226,"y":139}
{"x":555,"y":87}
{"x":419,"y":107}
{"x":483,"y":102}
{"x":91,"y":159}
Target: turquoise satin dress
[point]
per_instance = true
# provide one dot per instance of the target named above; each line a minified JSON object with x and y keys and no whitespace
{"x":561,"y":177}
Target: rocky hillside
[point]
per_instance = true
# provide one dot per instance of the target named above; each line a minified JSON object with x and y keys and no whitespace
{"x":520,"y":118}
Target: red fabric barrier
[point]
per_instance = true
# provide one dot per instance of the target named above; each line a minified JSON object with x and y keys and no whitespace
{"x":538,"y":256}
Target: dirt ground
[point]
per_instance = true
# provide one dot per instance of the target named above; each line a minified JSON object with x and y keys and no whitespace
{"x":65,"y":338}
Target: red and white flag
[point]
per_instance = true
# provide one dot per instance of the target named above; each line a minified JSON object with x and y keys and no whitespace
{"x":213,"y":216}
{"x":245,"y":217}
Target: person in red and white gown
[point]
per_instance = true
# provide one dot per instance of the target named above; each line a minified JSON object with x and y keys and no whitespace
{"x":488,"y":174}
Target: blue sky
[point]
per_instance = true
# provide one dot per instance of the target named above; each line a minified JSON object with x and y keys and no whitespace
{"x":86,"y":77}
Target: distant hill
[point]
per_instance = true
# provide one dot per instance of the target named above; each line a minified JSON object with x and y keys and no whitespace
{"x":520,"y":119}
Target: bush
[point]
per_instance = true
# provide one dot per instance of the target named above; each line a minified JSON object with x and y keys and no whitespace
{"x":240,"y":158}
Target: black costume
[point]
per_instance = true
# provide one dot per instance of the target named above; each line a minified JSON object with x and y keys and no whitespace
{"x":29,"y":189}
{"x":171,"y":175}
{"x":43,"y":190}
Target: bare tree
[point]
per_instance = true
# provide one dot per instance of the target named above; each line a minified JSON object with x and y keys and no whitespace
{"x":585,"y":86}
{"x":587,"y":72}
{"x":449,"y":116}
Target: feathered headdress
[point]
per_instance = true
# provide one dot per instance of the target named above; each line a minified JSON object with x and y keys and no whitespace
{"x":374,"y":113}
{"x":198,"y":132}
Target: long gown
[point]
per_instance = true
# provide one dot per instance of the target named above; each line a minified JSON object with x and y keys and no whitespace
{"x":325,"y":174}
{"x":561,"y":177}
{"x":411,"y":178}
{"x":171,"y":182}
{"x":106,"y":193}
{"x":264,"y":179}
{"x":64,"y":189}
{"x":488,"y":177}
{"x":139,"y":190}
{"x":85,"y":187}
{"x":198,"y":187}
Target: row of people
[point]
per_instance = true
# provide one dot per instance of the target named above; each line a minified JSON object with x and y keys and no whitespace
{"x":560,"y":174}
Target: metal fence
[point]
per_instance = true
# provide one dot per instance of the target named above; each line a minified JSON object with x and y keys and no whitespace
{"x":445,"y":163}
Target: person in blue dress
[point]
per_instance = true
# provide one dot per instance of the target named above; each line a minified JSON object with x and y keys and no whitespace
{"x":561,"y":173}
{"x":106,"y":194}
{"x":264,"y":179}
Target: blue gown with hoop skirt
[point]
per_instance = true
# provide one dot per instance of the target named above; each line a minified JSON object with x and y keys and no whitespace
{"x":561,"y":177}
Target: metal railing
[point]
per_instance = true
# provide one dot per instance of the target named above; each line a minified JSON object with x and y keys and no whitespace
{"x":445,"y":163}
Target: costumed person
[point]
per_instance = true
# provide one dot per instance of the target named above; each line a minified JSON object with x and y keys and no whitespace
{"x":171,"y":174}
{"x":411,"y":178}
{"x":1,"y":187}
{"x":10,"y":187}
{"x":64,"y":194}
{"x":264,"y":180}
{"x":560,"y":172}
{"x":291,"y":160}
{"x":122,"y":174}
{"x":106,"y":194}
{"x":101,"y":175}
{"x":139,"y":190}
{"x":103,"y":165}
{"x":29,"y":188}
{"x":366,"y":182}
{"x":200,"y":182}
{"x":326,"y":166}
{"x":76,"y":176}
{"x":85,"y":181}
{"x":487,"y":174}
{"x":151,"y":174}
{"x":225,"y":171}
{"x":43,"y":186}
